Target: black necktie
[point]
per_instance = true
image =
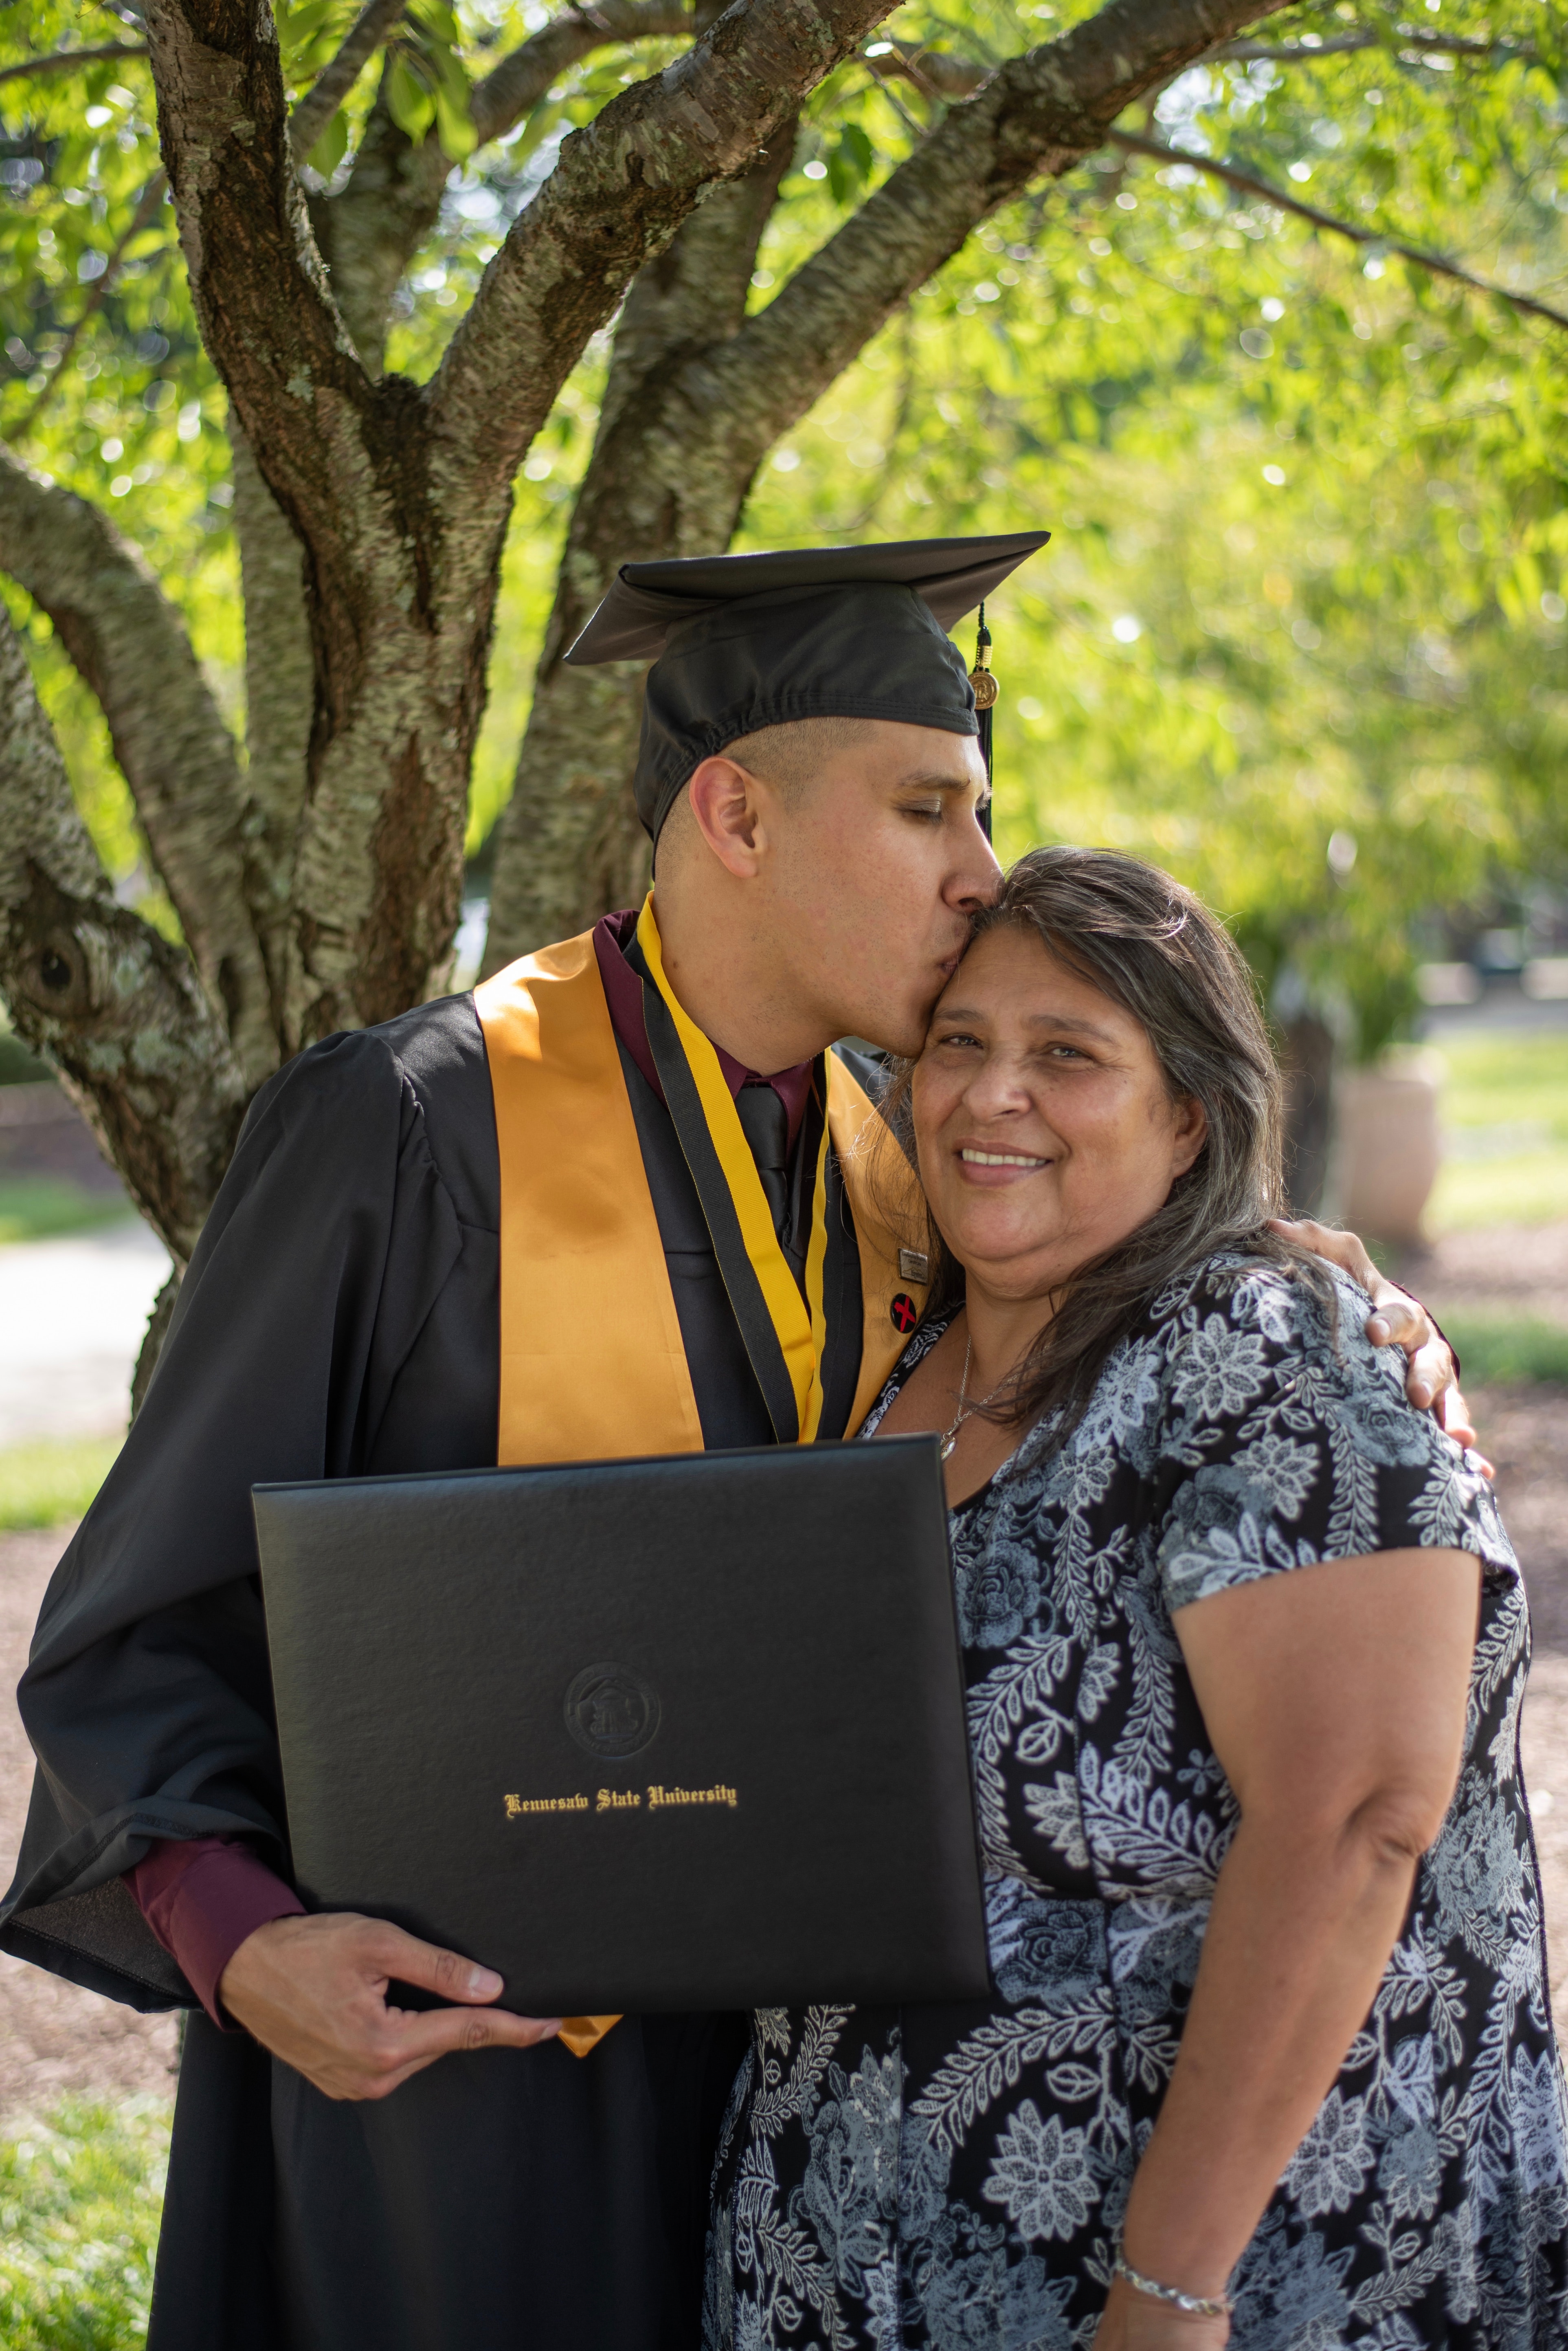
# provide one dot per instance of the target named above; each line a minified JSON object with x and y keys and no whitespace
{"x":765,"y":1125}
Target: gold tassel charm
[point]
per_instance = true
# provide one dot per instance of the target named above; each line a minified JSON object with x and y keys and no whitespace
{"x":985,"y":693}
{"x":979,"y":677}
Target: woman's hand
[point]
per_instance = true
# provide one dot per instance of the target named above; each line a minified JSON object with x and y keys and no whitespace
{"x":1133,"y":2321}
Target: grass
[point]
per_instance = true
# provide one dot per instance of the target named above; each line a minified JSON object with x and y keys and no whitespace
{"x":1505,"y":1123}
{"x":80,"y":2197}
{"x":47,"y":1483}
{"x":1498,"y":1353}
{"x":32,"y":1207}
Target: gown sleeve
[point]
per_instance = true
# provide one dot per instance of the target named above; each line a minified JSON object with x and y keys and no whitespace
{"x":147,"y":1696}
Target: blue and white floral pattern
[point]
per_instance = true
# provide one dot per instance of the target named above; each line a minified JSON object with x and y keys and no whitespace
{"x":953,"y":2179}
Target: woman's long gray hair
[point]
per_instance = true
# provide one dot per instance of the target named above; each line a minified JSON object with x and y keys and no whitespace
{"x":1155,"y":950}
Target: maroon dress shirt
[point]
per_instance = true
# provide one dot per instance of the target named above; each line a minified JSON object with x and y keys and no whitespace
{"x":202,"y":1897}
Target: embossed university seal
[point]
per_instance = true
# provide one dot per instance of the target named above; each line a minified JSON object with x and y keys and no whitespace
{"x":611,"y":1712}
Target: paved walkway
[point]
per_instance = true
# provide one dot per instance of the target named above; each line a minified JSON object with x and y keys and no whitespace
{"x":72,"y":1315}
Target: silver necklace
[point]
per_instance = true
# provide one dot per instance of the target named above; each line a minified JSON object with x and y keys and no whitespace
{"x":950,"y":1433}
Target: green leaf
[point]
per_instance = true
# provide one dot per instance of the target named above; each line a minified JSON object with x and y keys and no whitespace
{"x":454,"y":126}
{"x":434,"y":18}
{"x":410,"y":103}
{"x":856,"y":142}
{"x":296,"y":25}
{"x":299,"y":28}
{"x":540,"y":123}
{"x":850,"y":164}
{"x":331,"y":147}
{"x":451,"y":76}
{"x":1380,"y":169}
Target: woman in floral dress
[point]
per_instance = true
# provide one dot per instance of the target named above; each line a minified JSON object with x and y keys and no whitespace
{"x":1245,"y":1645}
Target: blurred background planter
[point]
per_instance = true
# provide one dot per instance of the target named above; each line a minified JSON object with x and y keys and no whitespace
{"x":1389,"y":1148}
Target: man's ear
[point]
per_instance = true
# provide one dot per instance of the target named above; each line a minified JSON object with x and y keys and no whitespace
{"x":728,"y":806}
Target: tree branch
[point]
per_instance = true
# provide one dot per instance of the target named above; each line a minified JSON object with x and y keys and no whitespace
{"x":514,"y":86}
{"x":376,"y":224}
{"x":669,"y":474}
{"x":1408,"y":39}
{"x":1248,"y":185}
{"x":621,"y":189}
{"x":119,"y":1011}
{"x":280,"y":696}
{"x":934,"y":73}
{"x":1037,"y":116}
{"x":566,"y":847}
{"x":941,"y":73}
{"x":129,"y":645}
{"x":61,"y":60}
{"x":257,"y":281}
{"x":321,"y":101}
{"x":147,"y":205}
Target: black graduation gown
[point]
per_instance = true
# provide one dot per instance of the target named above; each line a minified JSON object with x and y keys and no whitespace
{"x":340,"y":1317}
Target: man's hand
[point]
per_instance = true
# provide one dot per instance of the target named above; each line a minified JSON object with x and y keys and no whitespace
{"x":1397,"y":1320}
{"x":314,"y":1991}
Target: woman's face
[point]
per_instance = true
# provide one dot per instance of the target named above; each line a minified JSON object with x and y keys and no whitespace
{"x":1044,"y":1131}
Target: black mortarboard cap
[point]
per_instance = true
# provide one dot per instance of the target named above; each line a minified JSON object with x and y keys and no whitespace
{"x":743,"y":642}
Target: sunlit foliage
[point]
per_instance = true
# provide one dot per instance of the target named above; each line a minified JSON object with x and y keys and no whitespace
{"x":1300,"y":631}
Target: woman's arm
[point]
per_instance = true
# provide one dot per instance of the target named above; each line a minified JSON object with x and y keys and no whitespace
{"x":1335,"y":1697}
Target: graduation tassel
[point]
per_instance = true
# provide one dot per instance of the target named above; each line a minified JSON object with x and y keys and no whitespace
{"x":985,"y":694}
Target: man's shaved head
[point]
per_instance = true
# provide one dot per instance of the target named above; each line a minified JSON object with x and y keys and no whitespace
{"x":789,"y":757}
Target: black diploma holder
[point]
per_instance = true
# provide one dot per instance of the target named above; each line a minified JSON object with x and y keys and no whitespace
{"x":682,"y":1733}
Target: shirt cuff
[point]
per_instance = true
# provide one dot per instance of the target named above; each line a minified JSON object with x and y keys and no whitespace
{"x":202,"y":1897}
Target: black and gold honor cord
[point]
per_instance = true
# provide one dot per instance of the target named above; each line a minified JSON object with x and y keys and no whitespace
{"x":983,"y":679}
{"x":786,"y":1335}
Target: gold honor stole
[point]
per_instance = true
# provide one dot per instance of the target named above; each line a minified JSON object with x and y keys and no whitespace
{"x":592,"y":1364}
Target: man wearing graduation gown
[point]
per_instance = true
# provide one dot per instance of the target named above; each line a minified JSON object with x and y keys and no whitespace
{"x":588,"y":1209}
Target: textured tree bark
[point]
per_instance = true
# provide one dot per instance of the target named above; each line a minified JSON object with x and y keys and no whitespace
{"x":119,"y":1011}
{"x":565,"y":851}
{"x":400,"y":496}
{"x":671,"y":470}
{"x":371,"y":229}
{"x":280,"y":693}
{"x":129,"y":645}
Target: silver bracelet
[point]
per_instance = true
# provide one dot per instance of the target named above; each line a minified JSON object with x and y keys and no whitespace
{"x":1197,"y":2306}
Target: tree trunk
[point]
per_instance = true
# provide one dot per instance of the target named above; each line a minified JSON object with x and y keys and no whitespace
{"x":280,"y":696}
{"x":1308,"y":1063}
{"x":401,"y":494}
{"x":140,"y":1049}
{"x":129,"y":645}
{"x":570,"y":844}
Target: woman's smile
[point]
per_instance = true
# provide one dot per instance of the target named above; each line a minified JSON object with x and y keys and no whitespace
{"x":992,"y":1167}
